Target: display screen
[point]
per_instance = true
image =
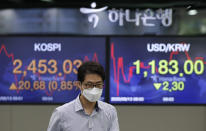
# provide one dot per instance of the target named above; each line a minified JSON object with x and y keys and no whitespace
{"x":43,"y":69}
{"x":157,"y":70}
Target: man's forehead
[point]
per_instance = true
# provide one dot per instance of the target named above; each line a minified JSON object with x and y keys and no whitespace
{"x":93,"y":78}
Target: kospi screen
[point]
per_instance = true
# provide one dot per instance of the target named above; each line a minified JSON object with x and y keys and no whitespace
{"x":157,"y":70}
{"x":43,"y":69}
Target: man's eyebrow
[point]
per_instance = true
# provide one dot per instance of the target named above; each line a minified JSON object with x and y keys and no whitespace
{"x":98,"y":82}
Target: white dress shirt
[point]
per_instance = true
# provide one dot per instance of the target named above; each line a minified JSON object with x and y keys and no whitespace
{"x":72,"y":117}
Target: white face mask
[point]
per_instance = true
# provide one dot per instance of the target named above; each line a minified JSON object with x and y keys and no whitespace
{"x":92,"y":94}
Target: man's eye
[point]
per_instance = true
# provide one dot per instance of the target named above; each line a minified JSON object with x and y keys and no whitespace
{"x":89,"y":84}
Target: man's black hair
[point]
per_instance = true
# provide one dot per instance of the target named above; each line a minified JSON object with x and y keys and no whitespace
{"x":90,"y":67}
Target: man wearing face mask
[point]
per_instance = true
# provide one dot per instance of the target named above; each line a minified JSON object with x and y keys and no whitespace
{"x":86,"y":112}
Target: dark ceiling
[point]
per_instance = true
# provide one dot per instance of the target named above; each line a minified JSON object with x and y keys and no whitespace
{"x":100,"y":3}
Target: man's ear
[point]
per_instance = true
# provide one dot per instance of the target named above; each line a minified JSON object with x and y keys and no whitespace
{"x":78,"y":85}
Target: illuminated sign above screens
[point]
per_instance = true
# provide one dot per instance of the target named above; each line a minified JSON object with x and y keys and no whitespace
{"x":43,"y":69}
{"x":157,"y":70}
{"x":147,"y":17}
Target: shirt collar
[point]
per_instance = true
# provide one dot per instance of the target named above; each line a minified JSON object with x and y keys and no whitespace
{"x":78,"y":105}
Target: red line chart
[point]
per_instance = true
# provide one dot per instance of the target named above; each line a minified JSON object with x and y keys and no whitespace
{"x":119,"y":67}
{"x":12,"y":57}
